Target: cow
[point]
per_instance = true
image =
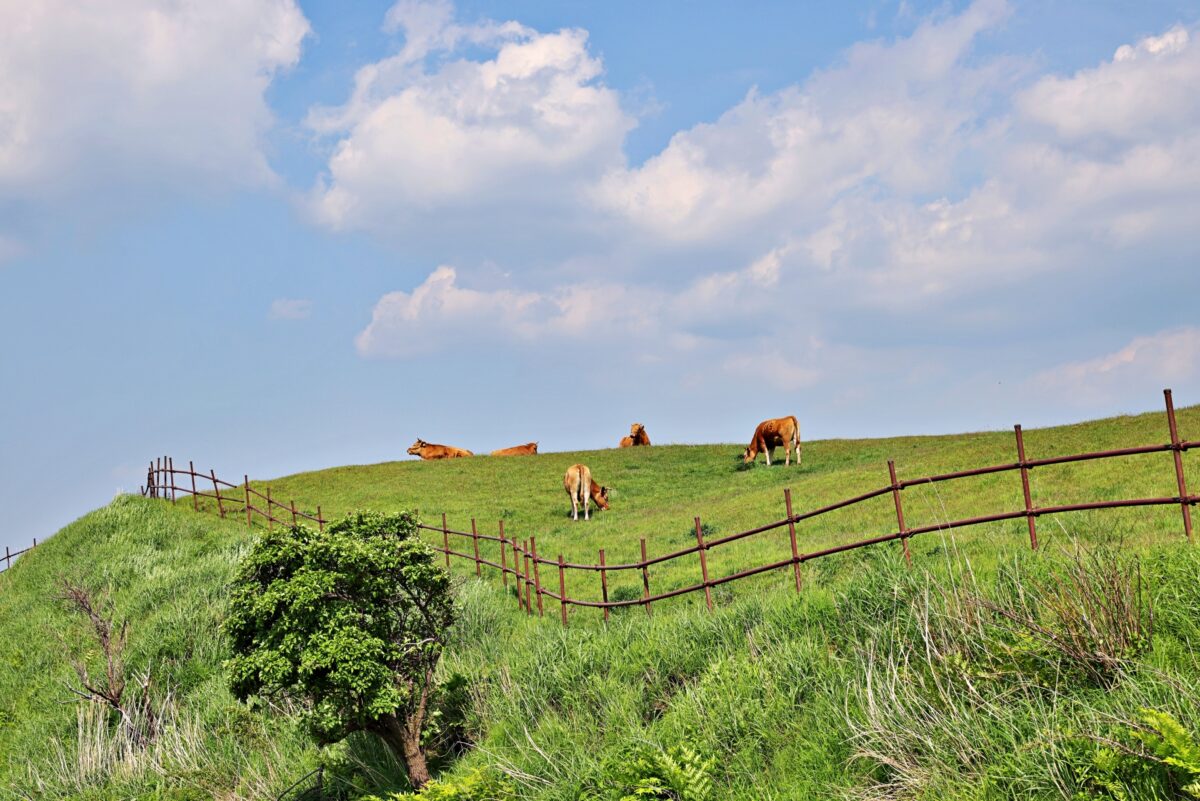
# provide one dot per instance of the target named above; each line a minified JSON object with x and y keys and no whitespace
{"x":528,"y":449}
{"x":637,"y":436}
{"x":783,"y":431}
{"x":427,"y":450}
{"x":579,"y":486}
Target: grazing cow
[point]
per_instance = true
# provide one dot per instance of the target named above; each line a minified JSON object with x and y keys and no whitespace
{"x":428,"y":450}
{"x":528,"y":449}
{"x":579,"y":485}
{"x":637,"y":436}
{"x":783,"y":431}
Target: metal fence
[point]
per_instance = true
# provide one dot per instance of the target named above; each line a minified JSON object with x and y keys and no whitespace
{"x":526,"y":561}
{"x":10,"y":555}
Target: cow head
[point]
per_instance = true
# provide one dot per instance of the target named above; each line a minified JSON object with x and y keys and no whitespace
{"x":749,"y":455}
{"x":417,"y":447}
{"x":601,"y":497}
{"x":636,"y":429}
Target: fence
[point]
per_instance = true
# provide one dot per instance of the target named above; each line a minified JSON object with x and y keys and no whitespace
{"x":239,"y":498}
{"x":9,"y":556}
{"x":526,"y":560}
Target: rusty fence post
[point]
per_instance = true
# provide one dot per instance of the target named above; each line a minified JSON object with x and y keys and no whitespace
{"x":293,"y":513}
{"x":645,"y":579}
{"x":445,"y":539}
{"x":528,"y":581}
{"x":157,"y":477}
{"x":217,"y":492}
{"x":246,"y":486}
{"x":270,"y":512}
{"x":320,"y":519}
{"x":1029,"y":515}
{"x":503,"y":558}
{"x":475,"y":541}
{"x":7,"y":558}
{"x":537,"y":579}
{"x":703,"y":565}
{"x":562,"y":589}
{"x":1177,"y":452}
{"x":192,"y":473}
{"x":171,"y":473}
{"x":899,"y":511}
{"x":516,"y":570}
{"x":604,"y":585}
{"x":787,"y":502}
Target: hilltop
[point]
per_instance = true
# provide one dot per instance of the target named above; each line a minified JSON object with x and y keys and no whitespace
{"x":876,"y":681}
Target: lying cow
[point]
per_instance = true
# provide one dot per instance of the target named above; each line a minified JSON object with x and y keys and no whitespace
{"x":579,"y":486}
{"x":783,"y":431}
{"x":428,"y":450}
{"x":528,"y":449}
{"x":637,"y":436}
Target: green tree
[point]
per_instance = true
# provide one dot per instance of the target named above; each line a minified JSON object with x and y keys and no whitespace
{"x":350,"y":622}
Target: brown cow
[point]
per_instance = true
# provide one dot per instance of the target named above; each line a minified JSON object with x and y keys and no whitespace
{"x":528,"y":449}
{"x":428,"y":450}
{"x":637,"y":436}
{"x":579,"y":486}
{"x":783,"y":431}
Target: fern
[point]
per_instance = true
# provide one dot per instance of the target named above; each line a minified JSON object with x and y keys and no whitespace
{"x":676,"y":774}
{"x":1168,"y":740}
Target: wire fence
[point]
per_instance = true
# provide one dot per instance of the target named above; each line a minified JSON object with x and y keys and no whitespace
{"x":531,"y":591}
{"x":10,"y":555}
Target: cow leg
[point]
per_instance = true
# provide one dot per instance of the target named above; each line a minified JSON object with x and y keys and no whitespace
{"x":768,"y":452}
{"x":574,"y":507}
{"x":586,"y":498}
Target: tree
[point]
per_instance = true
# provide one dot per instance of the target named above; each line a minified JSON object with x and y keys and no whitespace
{"x":351,"y":622}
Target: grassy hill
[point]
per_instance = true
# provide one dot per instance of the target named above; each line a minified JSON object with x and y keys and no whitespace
{"x":877,"y":681}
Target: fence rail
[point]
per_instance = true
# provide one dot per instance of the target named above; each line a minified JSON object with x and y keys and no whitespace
{"x":9,"y":555}
{"x":529,"y":585}
{"x":161,"y":483}
{"x":520,"y":560}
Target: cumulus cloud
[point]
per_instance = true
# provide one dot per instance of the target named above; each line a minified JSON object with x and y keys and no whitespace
{"x":1164,"y":359}
{"x":138,"y":91}
{"x":289,"y":309}
{"x":429,"y":129}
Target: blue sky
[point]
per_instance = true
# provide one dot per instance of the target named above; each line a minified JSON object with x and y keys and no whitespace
{"x":272,"y":236}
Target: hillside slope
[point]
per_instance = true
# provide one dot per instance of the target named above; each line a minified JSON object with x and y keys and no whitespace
{"x":877,"y":681}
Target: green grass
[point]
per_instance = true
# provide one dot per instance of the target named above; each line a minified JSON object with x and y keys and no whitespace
{"x":874,"y":682}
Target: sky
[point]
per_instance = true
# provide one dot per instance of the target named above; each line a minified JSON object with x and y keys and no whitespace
{"x":270,"y":236}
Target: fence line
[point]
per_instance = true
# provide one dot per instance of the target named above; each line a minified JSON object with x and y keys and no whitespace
{"x":526,"y":561}
{"x":9,"y":556}
{"x":895,"y":487}
{"x":160,"y":483}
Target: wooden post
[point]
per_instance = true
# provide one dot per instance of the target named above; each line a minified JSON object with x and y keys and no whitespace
{"x":192,"y":473}
{"x":7,"y":558}
{"x":604,"y":584}
{"x":528,"y":582}
{"x":503,"y":558}
{"x":171,"y":473}
{"x":246,"y":484}
{"x":899,"y":511}
{"x":445,"y":539}
{"x":562,"y":589}
{"x":516,"y":569}
{"x":645,"y":579}
{"x":787,"y":502}
{"x":217,"y":492}
{"x":475,"y":539}
{"x":321,"y":522}
{"x":1177,"y":452}
{"x":1029,"y":516}
{"x":703,"y":565}
{"x":270,"y":514}
{"x":157,"y":477}
{"x":537,"y":579}
{"x":293,"y":513}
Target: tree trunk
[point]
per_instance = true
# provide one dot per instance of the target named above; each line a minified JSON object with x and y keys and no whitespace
{"x":404,"y":739}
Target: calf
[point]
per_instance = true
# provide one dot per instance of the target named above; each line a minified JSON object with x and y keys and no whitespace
{"x":528,"y":449}
{"x":783,"y":431}
{"x":579,"y":486}
{"x":637,"y":436}
{"x":428,"y":450}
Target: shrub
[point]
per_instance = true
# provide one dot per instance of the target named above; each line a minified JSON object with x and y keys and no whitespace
{"x":650,"y":772}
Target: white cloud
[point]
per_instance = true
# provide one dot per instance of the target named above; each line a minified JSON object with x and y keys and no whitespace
{"x":135,"y":91}
{"x":1165,"y":359}
{"x":523,"y":127}
{"x":289,"y":309}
